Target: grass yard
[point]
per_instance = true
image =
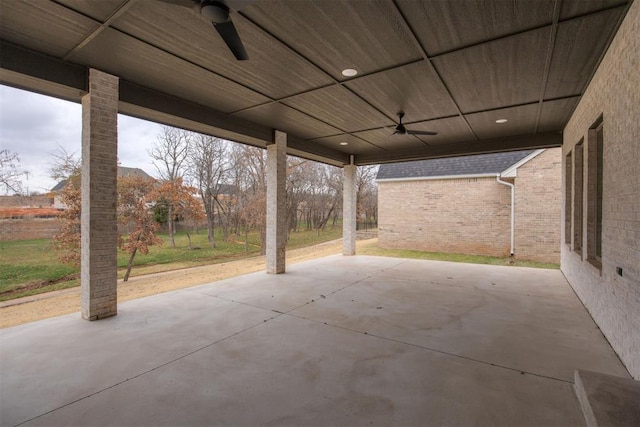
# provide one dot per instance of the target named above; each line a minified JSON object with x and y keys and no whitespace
{"x":440,"y":256}
{"x":29,"y":267}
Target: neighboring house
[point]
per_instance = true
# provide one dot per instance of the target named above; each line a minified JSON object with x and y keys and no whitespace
{"x":459,"y":205}
{"x":122,"y":172}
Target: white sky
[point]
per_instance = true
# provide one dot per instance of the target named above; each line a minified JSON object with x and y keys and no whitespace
{"x":33,"y":126}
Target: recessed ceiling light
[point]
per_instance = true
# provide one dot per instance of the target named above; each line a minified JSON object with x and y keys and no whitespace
{"x":349,"y":72}
{"x":344,"y":143}
{"x":501,"y":121}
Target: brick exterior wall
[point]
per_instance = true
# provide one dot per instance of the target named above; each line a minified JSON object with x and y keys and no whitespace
{"x":28,"y":228}
{"x":276,"y":203}
{"x":349,"y":210}
{"x":472,"y":215}
{"x":614,"y":92}
{"x":468,"y":215}
{"x":538,"y":207}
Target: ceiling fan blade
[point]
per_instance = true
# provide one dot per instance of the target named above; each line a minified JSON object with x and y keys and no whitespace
{"x":184,"y":3}
{"x":230,"y":36}
{"x":239,"y":4}
{"x":421,"y":132}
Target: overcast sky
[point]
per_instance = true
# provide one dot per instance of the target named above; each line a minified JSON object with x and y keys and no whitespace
{"x":33,"y":125}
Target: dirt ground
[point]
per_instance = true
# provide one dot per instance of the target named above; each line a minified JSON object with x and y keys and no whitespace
{"x":58,"y":303}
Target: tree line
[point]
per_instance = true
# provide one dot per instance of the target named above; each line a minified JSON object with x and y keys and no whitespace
{"x":211,"y":182}
{"x":230,"y":179}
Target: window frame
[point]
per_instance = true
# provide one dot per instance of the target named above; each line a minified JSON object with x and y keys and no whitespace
{"x":595,"y":185}
{"x":578,"y":197}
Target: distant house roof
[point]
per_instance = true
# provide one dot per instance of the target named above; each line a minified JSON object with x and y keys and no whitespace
{"x":480,"y":164}
{"x":125,"y":172}
{"x":122,"y":172}
{"x":59,"y":186}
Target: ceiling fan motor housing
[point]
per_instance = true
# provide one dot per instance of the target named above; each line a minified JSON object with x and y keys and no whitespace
{"x":215,"y":11}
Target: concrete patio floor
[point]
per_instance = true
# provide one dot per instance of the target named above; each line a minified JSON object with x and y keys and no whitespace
{"x":335,"y":341}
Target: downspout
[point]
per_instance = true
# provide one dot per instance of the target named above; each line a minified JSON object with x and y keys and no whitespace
{"x":513,"y":210}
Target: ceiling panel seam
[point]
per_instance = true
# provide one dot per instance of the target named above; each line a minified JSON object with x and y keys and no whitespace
{"x":123,"y":7}
{"x":624,"y":6}
{"x":517,"y":33}
{"x":336,"y":82}
{"x":427,"y":59}
{"x":351,"y":135}
{"x":163,"y":50}
{"x":614,"y":31}
{"x":547,"y":64}
{"x":342,"y":83}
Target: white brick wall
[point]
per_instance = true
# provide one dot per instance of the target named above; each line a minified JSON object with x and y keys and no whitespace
{"x":99,"y":235}
{"x":614,"y":92}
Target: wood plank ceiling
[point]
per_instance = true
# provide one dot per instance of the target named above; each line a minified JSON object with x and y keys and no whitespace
{"x":452,"y":66}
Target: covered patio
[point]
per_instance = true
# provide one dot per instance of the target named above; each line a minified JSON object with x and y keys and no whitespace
{"x":353,"y":340}
{"x":337,"y":341}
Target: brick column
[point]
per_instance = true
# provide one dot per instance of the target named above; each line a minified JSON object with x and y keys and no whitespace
{"x":349,"y":210}
{"x":276,"y":207}
{"x":98,"y":267}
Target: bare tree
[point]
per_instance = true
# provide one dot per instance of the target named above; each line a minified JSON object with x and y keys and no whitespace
{"x":64,"y":164}
{"x":169,"y":156}
{"x":68,"y":240}
{"x":250,"y":167}
{"x":10,"y":172}
{"x":367,"y":195}
{"x":210,"y":166}
{"x":133,"y":195}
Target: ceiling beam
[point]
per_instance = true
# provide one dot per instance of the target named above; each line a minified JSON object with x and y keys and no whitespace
{"x":29,"y":70}
{"x":547,"y":64}
{"x":36,"y":72}
{"x":496,"y":145}
{"x":159,"y":107}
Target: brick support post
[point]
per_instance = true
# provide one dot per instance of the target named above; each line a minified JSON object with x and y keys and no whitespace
{"x":98,"y":270}
{"x":349,"y":210}
{"x":276,"y":203}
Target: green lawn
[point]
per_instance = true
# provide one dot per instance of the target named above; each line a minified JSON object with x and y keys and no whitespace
{"x":439,"y":256}
{"x":29,"y":267}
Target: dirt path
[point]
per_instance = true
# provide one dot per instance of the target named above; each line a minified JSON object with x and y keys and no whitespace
{"x":43,"y":306}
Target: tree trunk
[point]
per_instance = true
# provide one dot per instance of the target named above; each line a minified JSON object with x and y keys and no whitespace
{"x":263,"y":240}
{"x":210,"y":234}
{"x":323,"y":222}
{"x":246,"y":239}
{"x":189,"y":239}
{"x":171,"y":227}
{"x":130,"y":264}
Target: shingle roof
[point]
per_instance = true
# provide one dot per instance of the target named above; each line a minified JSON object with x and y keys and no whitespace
{"x":122,"y":171}
{"x":464,"y":165}
{"x":125,"y":171}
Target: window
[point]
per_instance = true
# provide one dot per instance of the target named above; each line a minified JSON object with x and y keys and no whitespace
{"x":568,"y":179}
{"x":577,"y":196}
{"x":595,"y":163}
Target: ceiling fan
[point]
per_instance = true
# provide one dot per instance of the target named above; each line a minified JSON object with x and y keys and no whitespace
{"x":401,"y":130}
{"x":217,"y":12}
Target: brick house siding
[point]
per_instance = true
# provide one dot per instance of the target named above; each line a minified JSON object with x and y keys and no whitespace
{"x":471,"y":215}
{"x":436,"y":216}
{"x":613,"y":300}
{"x":538,"y":208}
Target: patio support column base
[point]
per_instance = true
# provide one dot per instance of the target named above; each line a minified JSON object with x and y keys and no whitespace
{"x":349,"y":210}
{"x":276,"y":203}
{"x":98,"y":225}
